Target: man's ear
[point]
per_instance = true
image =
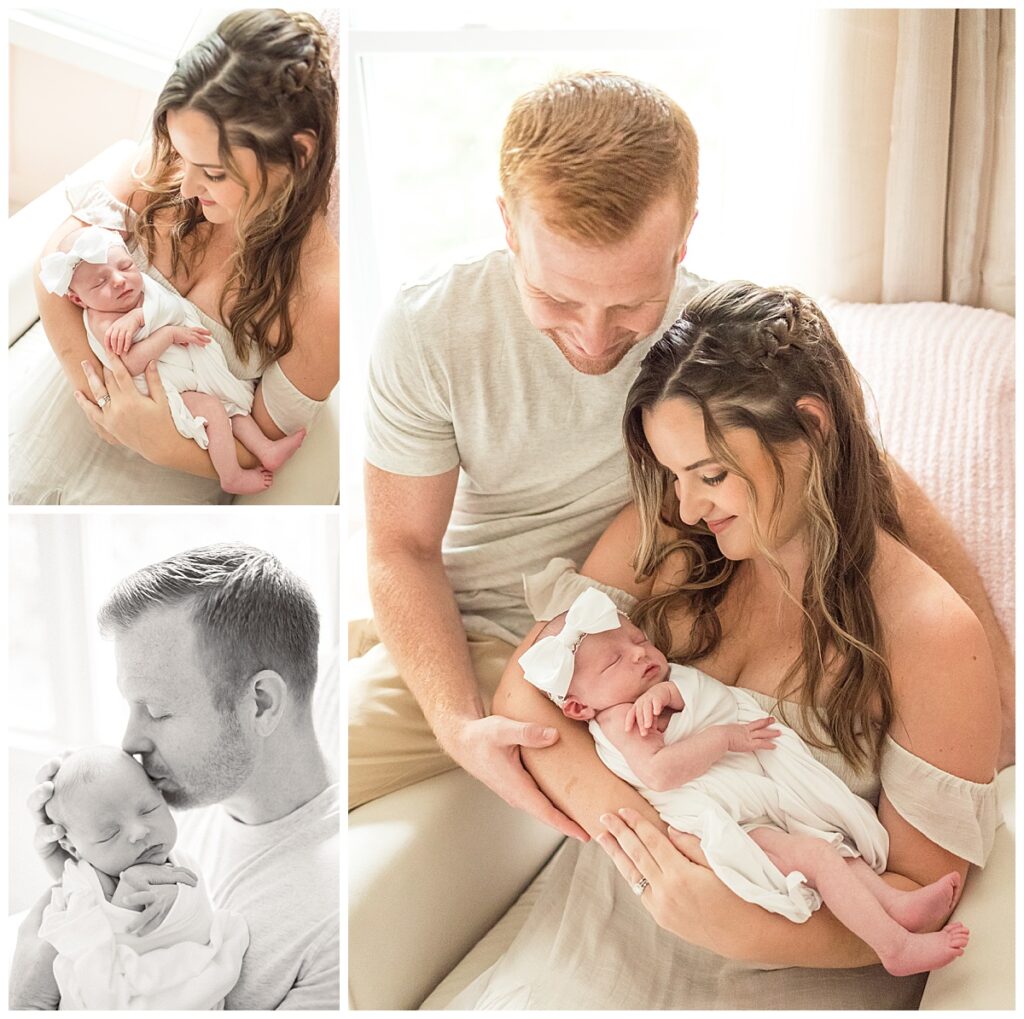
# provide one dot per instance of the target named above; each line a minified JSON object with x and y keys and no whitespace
{"x":577,"y":711}
{"x":814,"y":408}
{"x":681,"y":250}
{"x":268,"y":697}
{"x":510,"y":231}
{"x":305,"y":142}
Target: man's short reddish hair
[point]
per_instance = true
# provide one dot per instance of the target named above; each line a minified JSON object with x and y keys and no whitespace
{"x":594,"y":151}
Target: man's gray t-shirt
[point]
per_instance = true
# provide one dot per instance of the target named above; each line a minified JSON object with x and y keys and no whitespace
{"x":459,"y":377}
{"x":283,"y":878}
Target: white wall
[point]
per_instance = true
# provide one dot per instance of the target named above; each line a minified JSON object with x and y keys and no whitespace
{"x":61,"y":116}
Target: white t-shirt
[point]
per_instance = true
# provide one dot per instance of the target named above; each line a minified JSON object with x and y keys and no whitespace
{"x":282,"y":877}
{"x":459,"y":377}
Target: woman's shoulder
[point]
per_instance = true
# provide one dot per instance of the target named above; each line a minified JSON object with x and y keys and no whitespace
{"x":921,"y":613}
{"x":944,"y":687}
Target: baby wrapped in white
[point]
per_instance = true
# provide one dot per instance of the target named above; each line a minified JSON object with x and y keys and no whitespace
{"x":192,"y":368}
{"x":190,"y":961}
{"x":785,"y":787}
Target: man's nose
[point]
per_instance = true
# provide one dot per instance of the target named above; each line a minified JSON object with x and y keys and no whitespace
{"x":596,"y":333}
{"x":135,"y":740}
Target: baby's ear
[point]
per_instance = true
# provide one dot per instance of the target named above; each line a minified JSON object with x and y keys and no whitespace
{"x":578,"y":712}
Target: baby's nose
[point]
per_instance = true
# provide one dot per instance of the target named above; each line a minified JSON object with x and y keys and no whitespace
{"x":138,"y":833}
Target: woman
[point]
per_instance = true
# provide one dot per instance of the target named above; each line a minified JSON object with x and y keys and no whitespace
{"x":765,"y":547}
{"x":230,"y":213}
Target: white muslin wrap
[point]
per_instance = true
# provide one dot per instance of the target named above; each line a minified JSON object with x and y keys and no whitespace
{"x":783,"y":788}
{"x":190,"y":961}
{"x":184,"y":369}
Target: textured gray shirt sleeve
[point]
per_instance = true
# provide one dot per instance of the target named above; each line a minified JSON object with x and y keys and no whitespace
{"x":409,"y":426}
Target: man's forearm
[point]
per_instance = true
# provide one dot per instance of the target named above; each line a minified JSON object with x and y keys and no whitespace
{"x":418,"y":620}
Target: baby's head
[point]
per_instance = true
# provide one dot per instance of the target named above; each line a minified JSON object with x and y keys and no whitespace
{"x":112,"y":815}
{"x":586,"y":672}
{"x":93,"y":269}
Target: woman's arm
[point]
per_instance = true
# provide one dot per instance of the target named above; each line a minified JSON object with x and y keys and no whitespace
{"x":312,"y":365}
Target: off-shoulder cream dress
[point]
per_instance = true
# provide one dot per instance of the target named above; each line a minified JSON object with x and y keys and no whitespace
{"x":54,"y":454}
{"x":578,"y":938}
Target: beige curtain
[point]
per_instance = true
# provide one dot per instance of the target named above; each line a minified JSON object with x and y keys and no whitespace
{"x":918,"y":172}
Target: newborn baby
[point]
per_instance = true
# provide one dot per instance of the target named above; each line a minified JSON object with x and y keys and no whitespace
{"x":120,"y":836}
{"x":132,"y":316}
{"x":776,"y":826}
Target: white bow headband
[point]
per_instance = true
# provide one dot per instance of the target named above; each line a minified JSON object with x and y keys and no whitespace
{"x":91,"y":245}
{"x":548,"y":665}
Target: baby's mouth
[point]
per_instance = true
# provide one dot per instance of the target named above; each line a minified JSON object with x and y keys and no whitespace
{"x":152,"y":854}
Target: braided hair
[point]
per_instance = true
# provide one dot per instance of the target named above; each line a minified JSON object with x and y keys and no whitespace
{"x":263,"y":77}
{"x":745,"y":356}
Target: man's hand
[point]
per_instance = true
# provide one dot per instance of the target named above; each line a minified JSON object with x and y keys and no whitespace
{"x":488,"y":748}
{"x":47,"y":835}
{"x":752,"y":736}
{"x":152,"y":889}
{"x":185,"y":336}
{"x":32,"y":985}
{"x":119,"y":334}
{"x":650,"y":704}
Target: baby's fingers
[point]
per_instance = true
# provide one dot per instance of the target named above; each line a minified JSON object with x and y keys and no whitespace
{"x":136,"y":899}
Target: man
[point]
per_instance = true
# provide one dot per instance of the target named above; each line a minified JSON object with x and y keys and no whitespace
{"x":495,"y":400}
{"x":216,"y":652}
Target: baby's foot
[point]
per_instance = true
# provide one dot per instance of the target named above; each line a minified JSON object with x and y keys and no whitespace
{"x":248,"y":482}
{"x":279,"y":451}
{"x":923,"y":908}
{"x":921,"y":953}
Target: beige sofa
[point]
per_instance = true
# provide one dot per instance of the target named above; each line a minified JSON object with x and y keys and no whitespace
{"x":434,"y":867}
{"x":310,"y":477}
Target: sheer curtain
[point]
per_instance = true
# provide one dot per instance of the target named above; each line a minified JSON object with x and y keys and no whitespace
{"x":916,"y":180}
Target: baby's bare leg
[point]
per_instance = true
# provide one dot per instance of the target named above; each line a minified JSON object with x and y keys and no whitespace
{"x":922,"y":909}
{"x":856,"y":906}
{"x":233,"y":477}
{"x":272,"y":453}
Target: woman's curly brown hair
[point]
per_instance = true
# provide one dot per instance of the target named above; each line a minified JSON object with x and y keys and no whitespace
{"x":745,"y":355}
{"x":262,"y":78}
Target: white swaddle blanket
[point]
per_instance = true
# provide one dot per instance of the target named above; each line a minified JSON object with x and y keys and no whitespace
{"x":200,"y":369}
{"x":190,"y":961}
{"x":784,"y":788}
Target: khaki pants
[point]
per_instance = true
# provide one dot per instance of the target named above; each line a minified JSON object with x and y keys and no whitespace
{"x":390,"y":744}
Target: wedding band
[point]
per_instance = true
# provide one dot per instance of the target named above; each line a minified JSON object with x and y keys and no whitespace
{"x":638,"y":888}
{"x":103,"y":400}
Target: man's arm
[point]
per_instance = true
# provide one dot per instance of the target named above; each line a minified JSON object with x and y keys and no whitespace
{"x":932,"y":538}
{"x":418,"y":620}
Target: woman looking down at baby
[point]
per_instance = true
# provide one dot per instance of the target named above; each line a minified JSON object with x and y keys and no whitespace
{"x":230,"y":215}
{"x":764,"y":547}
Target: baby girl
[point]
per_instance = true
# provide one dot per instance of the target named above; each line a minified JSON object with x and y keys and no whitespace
{"x":120,"y":836}
{"x":776,"y":825}
{"x":130,"y":315}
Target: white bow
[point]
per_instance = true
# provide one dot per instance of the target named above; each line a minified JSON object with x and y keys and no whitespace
{"x":93,"y":245}
{"x":549,"y":663}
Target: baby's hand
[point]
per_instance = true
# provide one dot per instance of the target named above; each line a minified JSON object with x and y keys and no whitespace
{"x":645,"y":710}
{"x":152,"y":889}
{"x":119,"y":335}
{"x":185,"y":336}
{"x":752,"y":736}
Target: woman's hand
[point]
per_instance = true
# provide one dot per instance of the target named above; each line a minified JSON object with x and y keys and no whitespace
{"x":124,"y":416}
{"x":686,"y":898}
{"x":673,"y":866}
